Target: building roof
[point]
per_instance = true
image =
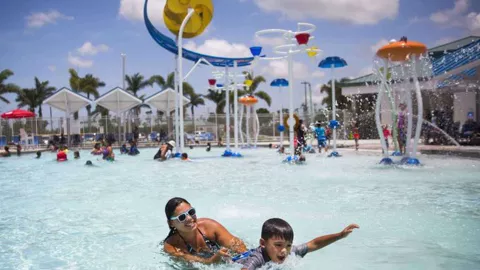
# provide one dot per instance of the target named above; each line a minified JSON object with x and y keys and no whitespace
{"x":444,"y":58}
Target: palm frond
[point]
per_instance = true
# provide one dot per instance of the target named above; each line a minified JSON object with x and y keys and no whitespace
{"x":266,"y":97}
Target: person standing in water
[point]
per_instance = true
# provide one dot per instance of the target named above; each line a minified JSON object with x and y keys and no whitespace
{"x":402,"y":128}
{"x":320,"y":133}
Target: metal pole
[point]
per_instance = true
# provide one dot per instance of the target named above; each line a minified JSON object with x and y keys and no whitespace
{"x":281,"y":120}
{"x":419,"y":108}
{"x":51,"y":120}
{"x":290,"y":96}
{"x":235,"y":105}
{"x":306,"y":102}
{"x":176,"y":105}
{"x":227,"y":101}
{"x":310,"y":107}
{"x":334,"y":110}
{"x":123,"y":70}
{"x":180,"y":77}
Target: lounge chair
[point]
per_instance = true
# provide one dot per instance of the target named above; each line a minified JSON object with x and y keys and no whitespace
{"x":27,"y":141}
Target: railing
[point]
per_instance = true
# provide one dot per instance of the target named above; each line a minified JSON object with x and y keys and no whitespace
{"x":205,"y":127}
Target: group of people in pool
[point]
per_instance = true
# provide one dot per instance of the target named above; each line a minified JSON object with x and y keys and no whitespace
{"x":319,"y":130}
{"x":106,"y":151}
{"x":205,"y":240}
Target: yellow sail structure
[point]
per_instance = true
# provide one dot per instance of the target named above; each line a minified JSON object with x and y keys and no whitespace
{"x":176,"y":10}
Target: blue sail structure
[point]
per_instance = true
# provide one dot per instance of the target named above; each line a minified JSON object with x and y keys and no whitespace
{"x":171,"y":46}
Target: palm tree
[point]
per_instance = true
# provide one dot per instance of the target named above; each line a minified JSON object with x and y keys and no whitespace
{"x":89,"y":85}
{"x":43,"y":91}
{"x":136,"y":83}
{"x":75,"y":85}
{"x":240,"y":93}
{"x":195,"y":100}
{"x":7,"y":88}
{"x":170,"y":83}
{"x":342,"y":101}
{"x":252,"y":90}
{"x":28,"y":97}
{"x":218,"y":98}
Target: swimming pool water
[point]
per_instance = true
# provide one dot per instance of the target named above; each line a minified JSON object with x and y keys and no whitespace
{"x":111,"y":216}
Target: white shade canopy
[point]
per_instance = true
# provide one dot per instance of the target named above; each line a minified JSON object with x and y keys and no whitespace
{"x":164,"y":100}
{"x":66,"y":100}
{"x":118,"y":100}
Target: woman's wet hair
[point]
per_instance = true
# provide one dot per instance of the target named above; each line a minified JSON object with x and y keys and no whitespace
{"x":170,"y":207}
{"x":277,"y":227}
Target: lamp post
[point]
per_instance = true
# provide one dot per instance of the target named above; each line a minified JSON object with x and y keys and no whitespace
{"x":307,"y":104}
{"x":123,"y":69}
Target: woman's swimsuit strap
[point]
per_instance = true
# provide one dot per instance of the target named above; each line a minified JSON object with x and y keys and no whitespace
{"x":212,"y":245}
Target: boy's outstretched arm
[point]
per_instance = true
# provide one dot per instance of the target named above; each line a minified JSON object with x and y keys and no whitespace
{"x":325,"y":240}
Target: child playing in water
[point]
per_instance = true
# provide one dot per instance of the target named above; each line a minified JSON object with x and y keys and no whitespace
{"x":320,"y":133}
{"x":184,"y":157}
{"x":276,"y":244}
{"x":356,"y":137}
{"x":386,"y":134}
{"x":402,"y":125}
{"x":123,"y":149}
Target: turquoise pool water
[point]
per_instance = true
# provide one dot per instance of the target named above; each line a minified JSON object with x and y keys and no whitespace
{"x":68,"y":216}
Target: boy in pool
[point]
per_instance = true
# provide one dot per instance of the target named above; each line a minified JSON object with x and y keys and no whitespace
{"x":184,"y":157}
{"x":39,"y":154}
{"x":320,"y":133}
{"x":276,"y":244}
{"x":76,"y":155}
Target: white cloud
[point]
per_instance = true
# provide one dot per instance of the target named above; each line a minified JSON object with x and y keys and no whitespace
{"x":382,"y":42}
{"x":473,"y":23}
{"x":52,"y":68}
{"x":269,"y":41}
{"x":279,"y":68}
{"x":39,"y":19}
{"x":318,"y":74}
{"x":317,"y":96}
{"x":79,"y":62}
{"x":450,"y":15}
{"x":133,"y":10}
{"x":219,"y":47}
{"x":89,"y":49}
{"x":458,"y":16}
{"x":354,"y":11}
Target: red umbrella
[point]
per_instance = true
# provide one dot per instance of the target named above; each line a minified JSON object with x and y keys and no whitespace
{"x":17,"y":114}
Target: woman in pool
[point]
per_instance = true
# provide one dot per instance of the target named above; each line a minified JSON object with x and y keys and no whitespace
{"x":197,"y":239}
{"x":108,"y":154}
{"x":97,"y":150}
{"x":165,"y":151}
{"x":7,"y":152}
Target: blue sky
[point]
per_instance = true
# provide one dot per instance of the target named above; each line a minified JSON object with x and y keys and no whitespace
{"x":45,"y":38}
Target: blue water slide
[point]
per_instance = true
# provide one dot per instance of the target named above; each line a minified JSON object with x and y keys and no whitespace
{"x":171,"y":46}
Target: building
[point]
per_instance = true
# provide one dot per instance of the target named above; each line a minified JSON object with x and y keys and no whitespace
{"x":450,"y":82}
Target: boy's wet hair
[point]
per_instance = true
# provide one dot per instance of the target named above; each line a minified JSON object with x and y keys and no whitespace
{"x":277,"y":227}
{"x":184,"y":155}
